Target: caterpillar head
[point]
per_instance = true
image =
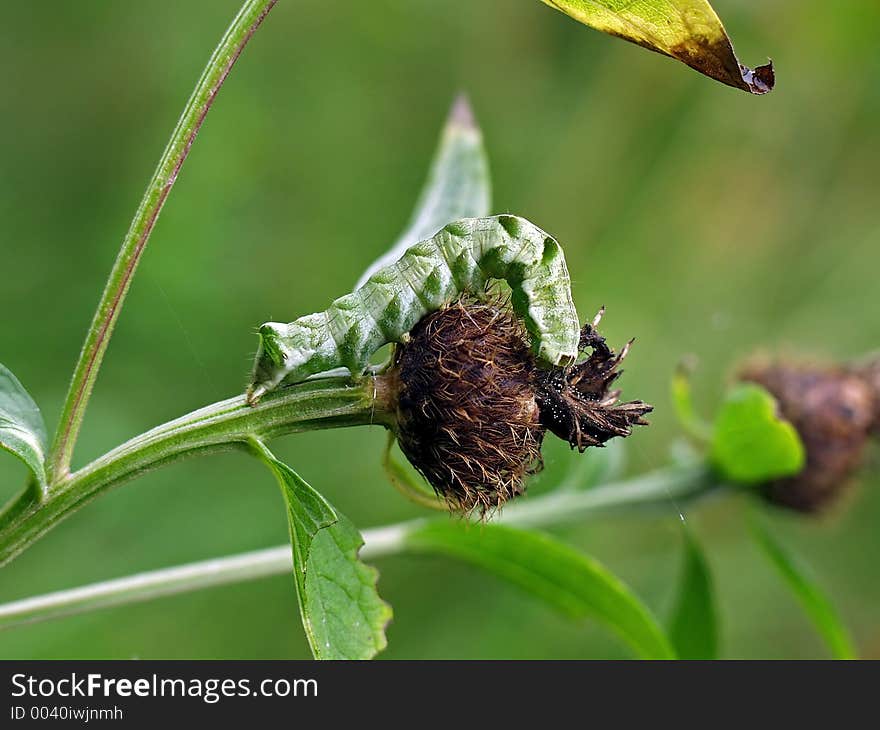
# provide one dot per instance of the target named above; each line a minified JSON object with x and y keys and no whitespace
{"x":270,"y":362}
{"x":288,"y":351}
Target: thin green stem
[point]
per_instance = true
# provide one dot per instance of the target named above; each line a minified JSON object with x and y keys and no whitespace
{"x":224,"y":57}
{"x":659,"y":488}
{"x":316,"y":404}
{"x":402,"y":483}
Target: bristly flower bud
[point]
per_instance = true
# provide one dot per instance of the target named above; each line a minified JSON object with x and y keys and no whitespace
{"x":473,"y":406}
{"x":833,"y":410}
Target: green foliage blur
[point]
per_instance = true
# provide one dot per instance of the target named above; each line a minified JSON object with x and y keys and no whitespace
{"x":705,"y":220}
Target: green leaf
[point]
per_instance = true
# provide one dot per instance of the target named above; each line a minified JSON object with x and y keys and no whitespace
{"x":683,"y":404}
{"x":346,"y":615}
{"x":694,"y":626}
{"x":816,"y":605}
{"x":22,"y":430}
{"x":751,"y":443}
{"x":688,"y":30}
{"x":458,"y":185}
{"x":342,"y":614}
{"x":573,"y":583}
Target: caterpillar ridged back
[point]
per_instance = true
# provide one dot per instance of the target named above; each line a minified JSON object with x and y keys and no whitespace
{"x":461,"y":258}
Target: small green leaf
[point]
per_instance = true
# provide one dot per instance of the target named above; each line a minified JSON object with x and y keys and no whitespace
{"x":573,"y":583}
{"x":458,"y":185}
{"x":307,"y":511}
{"x":693,"y":628}
{"x":688,"y":30}
{"x":816,"y":605}
{"x":22,"y":430}
{"x":347,"y":617}
{"x":342,"y":614}
{"x":751,"y":443}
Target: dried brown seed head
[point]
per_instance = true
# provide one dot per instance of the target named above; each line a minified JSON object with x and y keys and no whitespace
{"x":473,"y":407}
{"x":467,"y":415}
{"x":833,"y":409}
{"x":578,"y":404}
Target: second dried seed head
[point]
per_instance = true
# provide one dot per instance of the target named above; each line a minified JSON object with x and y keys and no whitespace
{"x":834,"y":410}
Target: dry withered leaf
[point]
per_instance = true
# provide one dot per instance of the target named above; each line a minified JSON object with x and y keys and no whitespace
{"x":687,"y":30}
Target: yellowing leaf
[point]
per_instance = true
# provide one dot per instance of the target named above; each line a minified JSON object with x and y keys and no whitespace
{"x":688,"y":30}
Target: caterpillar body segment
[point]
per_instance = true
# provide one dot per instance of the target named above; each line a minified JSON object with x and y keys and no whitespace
{"x":461,"y":258}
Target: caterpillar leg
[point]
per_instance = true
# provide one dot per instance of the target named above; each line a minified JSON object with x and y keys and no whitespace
{"x":254,"y":393}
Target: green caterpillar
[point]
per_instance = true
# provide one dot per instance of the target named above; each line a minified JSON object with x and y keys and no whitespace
{"x":462,"y":257}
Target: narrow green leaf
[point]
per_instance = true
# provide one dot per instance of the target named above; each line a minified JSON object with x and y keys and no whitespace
{"x":573,"y":583}
{"x":688,"y":30}
{"x":458,"y":185}
{"x":22,"y":431}
{"x":751,"y":443}
{"x":683,"y":404}
{"x":342,"y":614}
{"x":816,"y":605}
{"x":694,"y":626}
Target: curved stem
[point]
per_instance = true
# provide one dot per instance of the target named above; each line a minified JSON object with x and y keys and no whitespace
{"x":401,"y":482}
{"x":677,"y":484}
{"x":220,"y":64}
{"x":318,"y":403}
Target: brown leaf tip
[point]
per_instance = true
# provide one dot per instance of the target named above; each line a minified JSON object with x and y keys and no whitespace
{"x":716,"y":59}
{"x":761,"y":80}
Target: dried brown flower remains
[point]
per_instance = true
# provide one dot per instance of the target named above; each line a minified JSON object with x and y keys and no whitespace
{"x":473,"y":406}
{"x":834,"y":409}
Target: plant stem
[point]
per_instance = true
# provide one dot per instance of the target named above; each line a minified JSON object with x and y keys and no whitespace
{"x":316,"y":404}
{"x":220,"y":64}
{"x":677,"y":484}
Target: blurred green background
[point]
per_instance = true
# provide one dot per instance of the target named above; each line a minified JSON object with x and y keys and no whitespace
{"x":707,"y":221}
